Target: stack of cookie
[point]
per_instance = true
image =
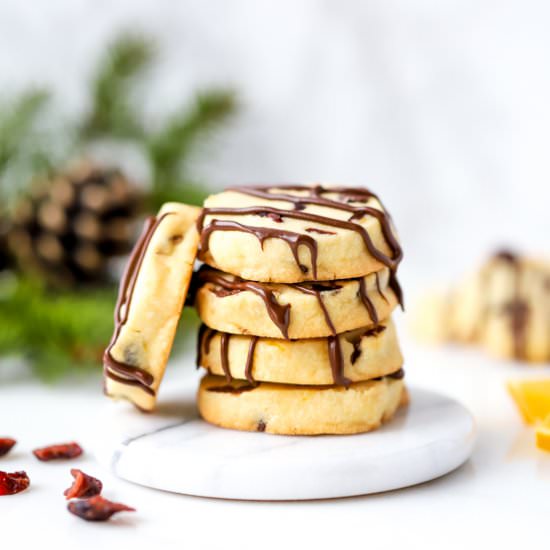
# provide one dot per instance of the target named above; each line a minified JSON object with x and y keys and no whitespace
{"x":296,"y":294}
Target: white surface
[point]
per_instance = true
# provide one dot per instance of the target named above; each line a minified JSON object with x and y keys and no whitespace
{"x":179,"y":452}
{"x":499,"y":498}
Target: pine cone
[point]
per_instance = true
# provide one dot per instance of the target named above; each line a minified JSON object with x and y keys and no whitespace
{"x":69,"y":227}
{"x":5,"y":256}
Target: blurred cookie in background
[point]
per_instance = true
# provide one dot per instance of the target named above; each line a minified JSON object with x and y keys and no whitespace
{"x":504,"y":307}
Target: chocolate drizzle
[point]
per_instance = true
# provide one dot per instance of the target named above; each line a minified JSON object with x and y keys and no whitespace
{"x":517,"y":309}
{"x":337,"y":361}
{"x":379,"y":289}
{"x":294,"y":240}
{"x":126,"y":373}
{"x":250,"y":360}
{"x":279,"y":314}
{"x":315,"y":290}
{"x":393,"y":283}
{"x":397,"y":375}
{"x":233,"y":389}
{"x":316,"y":196}
{"x":319,"y":231}
{"x":333,"y":341}
{"x":367,"y":301}
{"x":224,"y":351}
{"x":203,"y":342}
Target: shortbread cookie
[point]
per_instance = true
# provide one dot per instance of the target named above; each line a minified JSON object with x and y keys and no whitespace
{"x":304,"y":310}
{"x":505,"y":306}
{"x":297,"y":233}
{"x":517,"y":314}
{"x":300,"y":410}
{"x":349,"y":357}
{"x":151,"y":297}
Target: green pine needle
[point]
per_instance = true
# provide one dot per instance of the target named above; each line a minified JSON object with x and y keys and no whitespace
{"x":57,"y":332}
{"x":62,"y":332}
{"x":113,"y":112}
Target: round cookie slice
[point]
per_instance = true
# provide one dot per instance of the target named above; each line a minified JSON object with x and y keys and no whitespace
{"x":349,"y":357}
{"x":300,"y":410}
{"x":304,"y":310}
{"x":295,"y":233}
{"x":151,"y":296}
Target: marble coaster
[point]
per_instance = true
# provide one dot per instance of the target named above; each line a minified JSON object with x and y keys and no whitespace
{"x":176,"y":451}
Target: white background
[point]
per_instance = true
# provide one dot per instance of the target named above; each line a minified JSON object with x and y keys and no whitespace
{"x":442,"y":107}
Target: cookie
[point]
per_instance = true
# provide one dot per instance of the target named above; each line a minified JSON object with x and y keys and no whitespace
{"x":515,"y":320}
{"x":296,"y":233}
{"x":304,"y":310}
{"x":349,"y":357}
{"x":151,"y":296}
{"x":300,"y":410}
{"x":504,"y":306}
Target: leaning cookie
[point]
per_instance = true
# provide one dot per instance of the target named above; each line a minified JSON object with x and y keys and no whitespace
{"x":295,"y":233}
{"x":300,"y":410}
{"x":349,"y":357}
{"x":305,"y":310}
{"x":151,"y":296}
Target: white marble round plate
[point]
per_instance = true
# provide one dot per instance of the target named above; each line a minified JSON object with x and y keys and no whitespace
{"x":176,"y":451}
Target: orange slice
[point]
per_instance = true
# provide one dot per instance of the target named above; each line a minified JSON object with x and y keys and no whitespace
{"x":543,"y":435}
{"x":532,"y":398}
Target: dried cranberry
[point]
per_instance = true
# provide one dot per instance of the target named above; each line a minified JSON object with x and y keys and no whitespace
{"x":84,"y":486}
{"x":96,"y":508}
{"x":53,"y":452}
{"x":6,"y":444}
{"x":273,"y":215}
{"x":13,"y":483}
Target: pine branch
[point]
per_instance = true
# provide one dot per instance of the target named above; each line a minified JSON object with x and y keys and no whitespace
{"x":170,"y":148}
{"x":64,"y":331}
{"x":112,"y":111}
{"x":56,"y":332}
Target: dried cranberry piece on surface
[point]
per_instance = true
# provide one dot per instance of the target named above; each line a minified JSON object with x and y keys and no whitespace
{"x":84,"y":486}
{"x":11,"y":484}
{"x":6,"y":444}
{"x":96,"y":508}
{"x":63,"y":450}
